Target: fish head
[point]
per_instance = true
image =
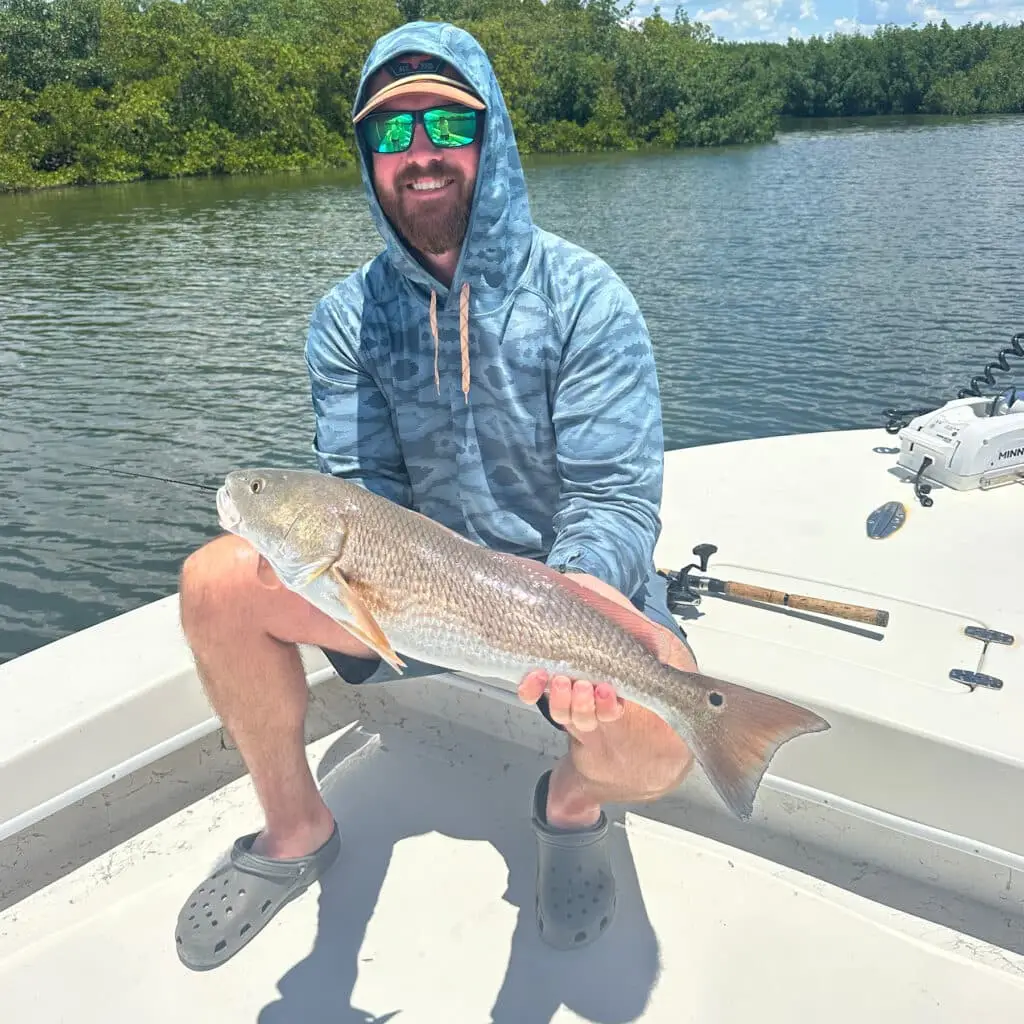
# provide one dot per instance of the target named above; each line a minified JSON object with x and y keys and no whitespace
{"x":296,"y":519}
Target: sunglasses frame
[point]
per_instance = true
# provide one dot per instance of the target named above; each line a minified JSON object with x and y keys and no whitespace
{"x":419,"y":118}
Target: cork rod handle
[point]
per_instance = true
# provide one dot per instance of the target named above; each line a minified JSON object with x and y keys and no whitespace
{"x":855,"y":612}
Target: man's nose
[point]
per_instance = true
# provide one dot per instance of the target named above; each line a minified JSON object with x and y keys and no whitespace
{"x":421,"y":144}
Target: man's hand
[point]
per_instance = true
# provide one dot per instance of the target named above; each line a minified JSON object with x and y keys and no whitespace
{"x":578,"y":705}
{"x":581,"y":705}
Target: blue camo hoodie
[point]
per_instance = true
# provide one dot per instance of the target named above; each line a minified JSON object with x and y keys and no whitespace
{"x":555,"y":451}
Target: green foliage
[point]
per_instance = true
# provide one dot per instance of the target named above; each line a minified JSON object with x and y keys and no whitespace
{"x":44,"y":42}
{"x":932,"y":70}
{"x":115,"y":90}
{"x":118,"y":90}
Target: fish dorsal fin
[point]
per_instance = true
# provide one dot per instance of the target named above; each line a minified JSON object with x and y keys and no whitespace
{"x":439,"y":528}
{"x":656,"y":639}
{"x":627,"y":616}
{"x":364,"y":627}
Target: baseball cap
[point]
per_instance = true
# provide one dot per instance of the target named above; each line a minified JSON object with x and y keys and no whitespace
{"x":419,"y":73}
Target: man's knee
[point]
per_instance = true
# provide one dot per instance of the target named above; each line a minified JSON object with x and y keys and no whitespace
{"x":220,"y":577}
{"x":666,"y":764}
{"x":670,"y":769}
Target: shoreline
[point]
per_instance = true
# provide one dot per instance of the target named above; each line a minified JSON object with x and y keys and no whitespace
{"x":786,"y":125}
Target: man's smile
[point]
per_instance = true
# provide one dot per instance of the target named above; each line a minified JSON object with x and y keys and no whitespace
{"x":430,"y":184}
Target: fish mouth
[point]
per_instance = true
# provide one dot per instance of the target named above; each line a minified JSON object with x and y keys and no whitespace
{"x":227,"y":512}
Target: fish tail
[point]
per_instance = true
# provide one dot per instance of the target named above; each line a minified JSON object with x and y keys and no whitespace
{"x":737,"y":734}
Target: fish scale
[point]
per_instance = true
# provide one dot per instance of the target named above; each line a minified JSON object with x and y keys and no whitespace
{"x":488,"y":598}
{"x":406,"y":585}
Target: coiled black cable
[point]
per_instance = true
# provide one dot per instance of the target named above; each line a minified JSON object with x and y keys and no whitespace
{"x":897,"y":419}
{"x":1016,"y":349}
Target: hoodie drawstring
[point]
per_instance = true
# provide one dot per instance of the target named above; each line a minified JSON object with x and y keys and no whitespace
{"x":433,"y":330}
{"x":463,"y":337}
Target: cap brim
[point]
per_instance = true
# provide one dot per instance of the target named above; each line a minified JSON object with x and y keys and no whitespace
{"x":437,"y":84}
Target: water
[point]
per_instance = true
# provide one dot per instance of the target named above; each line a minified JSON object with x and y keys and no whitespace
{"x":799,"y":286}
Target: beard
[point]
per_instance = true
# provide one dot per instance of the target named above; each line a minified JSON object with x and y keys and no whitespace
{"x":431,"y":226}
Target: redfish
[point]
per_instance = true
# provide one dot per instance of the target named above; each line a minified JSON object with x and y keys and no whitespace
{"x":405,"y":585}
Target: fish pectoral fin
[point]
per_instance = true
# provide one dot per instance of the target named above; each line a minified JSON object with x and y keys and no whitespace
{"x":314,"y":572}
{"x":363,"y":626}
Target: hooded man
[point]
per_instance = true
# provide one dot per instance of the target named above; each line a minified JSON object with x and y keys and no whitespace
{"x":501,"y":381}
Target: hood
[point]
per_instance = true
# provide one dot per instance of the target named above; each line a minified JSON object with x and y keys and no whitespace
{"x":497,"y":243}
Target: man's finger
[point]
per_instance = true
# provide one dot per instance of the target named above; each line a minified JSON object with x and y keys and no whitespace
{"x":560,"y":699}
{"x":584,"y":718}
{"x":607,"y":706}
{"x":532,"y":685}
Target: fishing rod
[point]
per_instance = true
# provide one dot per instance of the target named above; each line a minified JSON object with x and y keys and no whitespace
{"x":685,"y":588}
{"x":110,"y":570}
{"x":53,"y":552}
{"x":150,"y":476}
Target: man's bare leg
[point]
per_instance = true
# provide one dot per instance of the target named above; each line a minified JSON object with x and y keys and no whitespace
{"x":618,"y":751}
{"x":243,"y":625}
{"x":636,"y":759}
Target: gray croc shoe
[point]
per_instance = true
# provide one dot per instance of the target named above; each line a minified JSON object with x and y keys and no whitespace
{"x":235,"y":902}
{"x":575,"y":885}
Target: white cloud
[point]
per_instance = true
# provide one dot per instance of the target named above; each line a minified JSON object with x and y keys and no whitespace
{"x":779,"y":20}
{"x":751,"y":19}
{"x":852,"y":27}
{"x":718,"y":14}
{"x":761,"y":13}
{"x":1010,"y":15}
{"x":776,"y":20}
{"x":1008,"y":12}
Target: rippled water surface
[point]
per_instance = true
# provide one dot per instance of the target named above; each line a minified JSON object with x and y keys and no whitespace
{"x":798,"y":286}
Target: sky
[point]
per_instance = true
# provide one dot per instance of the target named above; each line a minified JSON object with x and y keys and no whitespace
{"x":778,"y":20}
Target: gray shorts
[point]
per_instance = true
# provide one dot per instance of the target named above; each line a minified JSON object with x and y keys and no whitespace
{"x":652,"y":601}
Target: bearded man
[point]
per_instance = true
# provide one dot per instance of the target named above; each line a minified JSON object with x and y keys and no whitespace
{"x":500,"y":380}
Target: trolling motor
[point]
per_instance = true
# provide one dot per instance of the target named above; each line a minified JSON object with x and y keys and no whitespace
{"x":685,"y":588}
{"x":974,"y":441}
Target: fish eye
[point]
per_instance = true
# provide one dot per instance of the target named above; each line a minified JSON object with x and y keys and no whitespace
{"x":256,"y":486}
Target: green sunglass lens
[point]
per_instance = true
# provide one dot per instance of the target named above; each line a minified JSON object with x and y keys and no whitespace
{"x":450,"y":128}
{"x":391,"y":134}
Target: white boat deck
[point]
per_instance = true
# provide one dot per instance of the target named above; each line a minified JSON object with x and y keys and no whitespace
{"x":421,"y":918}
{"x":878,"y":879}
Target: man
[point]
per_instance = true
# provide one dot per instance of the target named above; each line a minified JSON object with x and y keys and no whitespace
{"x":501,"y":381}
